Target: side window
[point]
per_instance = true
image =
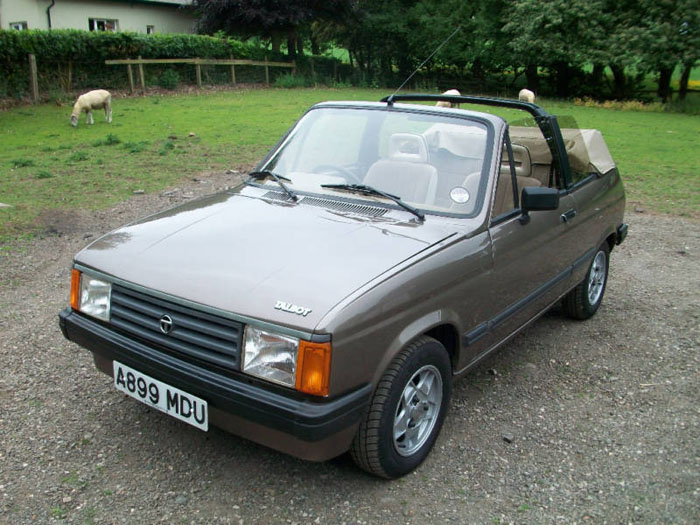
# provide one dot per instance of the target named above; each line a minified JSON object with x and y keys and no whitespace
{"x":518,"y":168}
{"x":532,"y":156}
{"x":582,"y":147}
{"x":504,"y":201}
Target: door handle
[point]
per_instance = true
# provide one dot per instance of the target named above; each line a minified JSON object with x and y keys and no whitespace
{"x":568,"y":215}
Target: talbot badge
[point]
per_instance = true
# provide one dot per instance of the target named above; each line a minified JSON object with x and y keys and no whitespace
{"x":292,"y":308}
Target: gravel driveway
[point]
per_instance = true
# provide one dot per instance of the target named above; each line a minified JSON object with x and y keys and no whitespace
{"x":603,"y":416}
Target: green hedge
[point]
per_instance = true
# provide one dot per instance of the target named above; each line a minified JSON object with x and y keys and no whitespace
{"x":87,"y":51}
{"x":73,"y":44}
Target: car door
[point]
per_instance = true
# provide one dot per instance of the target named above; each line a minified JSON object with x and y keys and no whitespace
{"x":532,"y":257}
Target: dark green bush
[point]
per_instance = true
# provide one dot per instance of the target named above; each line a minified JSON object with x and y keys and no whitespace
{"x":169,"y":79}
{"x":64,"y":45}
{"x":290,"y":81}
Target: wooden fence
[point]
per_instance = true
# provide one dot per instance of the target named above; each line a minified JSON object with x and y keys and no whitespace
{"x":63,"y":75}
{"x":197,"y":63}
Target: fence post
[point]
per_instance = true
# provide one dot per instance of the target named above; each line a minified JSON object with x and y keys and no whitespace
{"x":69,"y":81}
{"x":198,"y":71}
{"x":130,"y":74}
{"x":233,"y":71}
{"x":33,"y":78}
{"x":267,"y":72}
{"x":143,"y":80}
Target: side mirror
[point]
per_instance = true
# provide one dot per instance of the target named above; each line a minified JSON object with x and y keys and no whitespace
{"x":536,"y":198}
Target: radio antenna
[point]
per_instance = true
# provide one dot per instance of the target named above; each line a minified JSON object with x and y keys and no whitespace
{"x":425,"y":61}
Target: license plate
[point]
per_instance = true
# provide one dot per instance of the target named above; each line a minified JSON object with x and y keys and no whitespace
{"x":159,"y":395}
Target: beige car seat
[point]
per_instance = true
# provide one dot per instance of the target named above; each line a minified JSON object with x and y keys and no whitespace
{"x":406,"y":171}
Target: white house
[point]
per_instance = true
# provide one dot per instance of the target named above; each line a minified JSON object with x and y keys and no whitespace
{"x":142,"y":16}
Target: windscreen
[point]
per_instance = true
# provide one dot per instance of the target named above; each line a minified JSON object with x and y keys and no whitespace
{"x":433,"y":162}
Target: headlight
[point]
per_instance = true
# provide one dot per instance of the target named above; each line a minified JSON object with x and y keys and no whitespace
{"x":90,"y":295}
{"x":270,"y":356}
{"x":288,"y":361}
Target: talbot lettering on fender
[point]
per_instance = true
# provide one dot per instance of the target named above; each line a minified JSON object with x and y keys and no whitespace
{"x":292,"y":308}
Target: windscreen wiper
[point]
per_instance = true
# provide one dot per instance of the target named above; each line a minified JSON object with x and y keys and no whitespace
{"x":263,"y":174}
{"x":369,"y":190}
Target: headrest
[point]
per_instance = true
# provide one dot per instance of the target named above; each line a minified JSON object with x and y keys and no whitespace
{"x":521,"y":159}
{"x":408,"y":147}
{"x":465,"y":141}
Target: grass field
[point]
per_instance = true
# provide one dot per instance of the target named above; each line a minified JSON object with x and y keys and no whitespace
{"x":45,"y":164}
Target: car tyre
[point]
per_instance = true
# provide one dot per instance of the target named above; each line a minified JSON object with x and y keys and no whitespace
{"x":406,"y":412}
{"x":583,"y":301}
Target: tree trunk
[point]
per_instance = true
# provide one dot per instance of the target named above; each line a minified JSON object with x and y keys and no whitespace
{"x":315,"y":49}
{"x":370,"y":65}
{"x":664,"y":90}
{"x":619,"y":80}
{"x":562,"y":69}
{"x":597,"y":75}
{"x":478,"y":72}
{"x":276,"y":42}
{"x":685,"y":76}
{"x":291,"y":44}
{"x":386,"y":73}
{"x":533,"y":80}
{"x":300,"y":46}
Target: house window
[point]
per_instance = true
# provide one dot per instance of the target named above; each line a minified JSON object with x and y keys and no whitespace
{"x":150,"y":30}
{"x":103,"y":24}
{"x":19,"y":26}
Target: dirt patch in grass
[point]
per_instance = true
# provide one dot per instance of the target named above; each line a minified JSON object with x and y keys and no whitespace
{"x":60,"y":222}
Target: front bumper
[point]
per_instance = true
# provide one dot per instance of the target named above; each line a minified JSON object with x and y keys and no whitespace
{"x":310,"y":430}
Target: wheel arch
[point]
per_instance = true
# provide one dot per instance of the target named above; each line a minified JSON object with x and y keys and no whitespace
{"x":440,"y":325}
{"x":447,"y":335}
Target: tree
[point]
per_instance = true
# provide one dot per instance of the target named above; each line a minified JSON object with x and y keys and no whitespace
{"x":559,"y":34}
{"x":273,"y":19}
{"x":668,"y":36}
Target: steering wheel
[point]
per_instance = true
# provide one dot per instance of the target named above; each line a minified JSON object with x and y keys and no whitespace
{"x":349,"y":175}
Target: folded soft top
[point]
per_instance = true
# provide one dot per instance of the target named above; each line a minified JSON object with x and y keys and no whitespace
{"x":585,"y":148}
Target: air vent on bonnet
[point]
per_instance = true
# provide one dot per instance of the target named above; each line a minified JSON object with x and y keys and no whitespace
{"x":331,"y":204}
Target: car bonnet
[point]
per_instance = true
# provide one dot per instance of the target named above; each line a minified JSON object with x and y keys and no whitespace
{"x":280,"y":263}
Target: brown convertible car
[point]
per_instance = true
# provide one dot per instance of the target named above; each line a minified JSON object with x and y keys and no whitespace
{"x":376,"y":254}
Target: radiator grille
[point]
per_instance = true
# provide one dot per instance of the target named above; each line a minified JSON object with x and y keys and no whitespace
{"x":194,"y":334}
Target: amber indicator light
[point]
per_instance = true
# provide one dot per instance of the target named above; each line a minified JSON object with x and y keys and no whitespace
{"x":313,"y":368}
{"x":75,"y":289}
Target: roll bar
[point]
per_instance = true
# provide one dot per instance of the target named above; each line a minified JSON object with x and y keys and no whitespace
{"x":533,"y":109}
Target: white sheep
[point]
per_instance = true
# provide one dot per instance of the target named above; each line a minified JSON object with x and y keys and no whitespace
{"x":445,"y":103}
{"x":526,"y":95}
{"x":96,"y":99}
